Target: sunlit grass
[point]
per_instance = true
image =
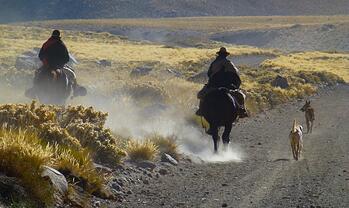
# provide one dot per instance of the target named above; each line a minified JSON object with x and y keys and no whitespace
{"x":141,"y":150}
{"x":166,"y":144}
{"x":211,"y":24}
{"x":22,"y":155}
{"x":336,"y":63}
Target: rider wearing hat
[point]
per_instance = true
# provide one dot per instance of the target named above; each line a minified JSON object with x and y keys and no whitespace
{"x":223,"y":73}
{"x":54,"y":54}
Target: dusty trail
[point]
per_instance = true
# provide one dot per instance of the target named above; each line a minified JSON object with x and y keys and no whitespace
{"x":267,"y":176}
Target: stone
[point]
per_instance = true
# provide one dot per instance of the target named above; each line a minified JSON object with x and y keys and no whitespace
{"x":11,"y":188}
{"x":281,"y":82}
{"x":200,"y":77}
{"x":327,"y":27}
{"x":146,"y":165}
{"x":169,"y":73}
{"x":141,"y":71}
{"x":57,"y":179}
{"x":97,"y":204}
{"x":102,"y":168}
{"x":163,"y":171}
{"x":168,"y":158}
{"x":29,"y":60}
{"x":116,"y":186}
{"x":145,"y":181}
{"x":104,"y":63}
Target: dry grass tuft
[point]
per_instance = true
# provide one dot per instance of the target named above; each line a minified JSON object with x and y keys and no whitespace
{"x":79,"y":168}
{"x":142,"y":150}
{"x":166,"y":144}
{"x":22,"y":155}
{"x":336,"y":63}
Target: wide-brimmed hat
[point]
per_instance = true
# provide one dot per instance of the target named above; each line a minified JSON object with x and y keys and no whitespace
{"x":56,"y":33}
{"x":223,"y":51}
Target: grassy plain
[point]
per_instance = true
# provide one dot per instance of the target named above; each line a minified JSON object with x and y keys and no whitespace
{"x":209,"y":24}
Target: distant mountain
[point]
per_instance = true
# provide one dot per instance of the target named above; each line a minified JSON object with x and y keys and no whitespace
{"x":26,"y":10}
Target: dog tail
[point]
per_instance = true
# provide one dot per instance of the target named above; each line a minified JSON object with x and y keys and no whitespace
{"x":294,"y":130}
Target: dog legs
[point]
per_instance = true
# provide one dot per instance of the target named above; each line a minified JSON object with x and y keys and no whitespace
{"x":293,"y":148}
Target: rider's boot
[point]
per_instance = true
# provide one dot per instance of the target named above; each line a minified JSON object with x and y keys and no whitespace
{"x":242,"y":112}
{"x":240,"y":98}
{"x":199,"y":111}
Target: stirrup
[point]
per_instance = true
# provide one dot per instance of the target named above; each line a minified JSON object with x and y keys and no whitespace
{"x":198,"y":112}
{"x":243,"y":113}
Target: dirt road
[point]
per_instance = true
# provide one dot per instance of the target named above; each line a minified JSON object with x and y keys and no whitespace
{"x":267,"y":176}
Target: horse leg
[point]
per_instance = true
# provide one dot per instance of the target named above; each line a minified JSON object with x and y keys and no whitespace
{"x":215,"y":137}
{"x":226,"y":134}
{"x":308,"y":125}
{"x":311,"y":126}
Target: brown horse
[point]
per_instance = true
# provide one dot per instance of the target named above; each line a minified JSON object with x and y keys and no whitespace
{"x":220,"y":110}
{"x":309,"y":116}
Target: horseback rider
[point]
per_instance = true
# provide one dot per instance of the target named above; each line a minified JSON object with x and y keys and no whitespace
{"x":54,"y":56}
{"x":223,"y":73}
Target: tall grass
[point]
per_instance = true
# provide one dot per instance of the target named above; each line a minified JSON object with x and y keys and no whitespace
{"x":22,"y":155}
{"x":166,"y":144}
{"x":141,"y":150}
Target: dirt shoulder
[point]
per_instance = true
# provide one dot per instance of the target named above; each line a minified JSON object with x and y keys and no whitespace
{"x":267,"y":175}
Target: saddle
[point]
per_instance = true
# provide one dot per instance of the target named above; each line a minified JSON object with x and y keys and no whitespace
{"x":232,"y":93}
{"x":56,"y":74}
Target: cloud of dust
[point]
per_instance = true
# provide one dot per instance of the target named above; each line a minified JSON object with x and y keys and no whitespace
{"x":128,"y":119}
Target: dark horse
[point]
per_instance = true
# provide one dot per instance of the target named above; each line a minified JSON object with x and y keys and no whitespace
{"x":55,"y":87}
{"x":220,"y":109}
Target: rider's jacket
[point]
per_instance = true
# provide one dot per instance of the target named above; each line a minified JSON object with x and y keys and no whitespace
{"x":223,"y":73}
{"x":54,"y":53}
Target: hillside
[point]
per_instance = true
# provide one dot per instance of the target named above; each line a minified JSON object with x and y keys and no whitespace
{"x":22,"y":10}
{"x":287,"y":33}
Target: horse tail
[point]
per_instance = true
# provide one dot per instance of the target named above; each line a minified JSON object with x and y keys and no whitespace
{"x":294,"y":129}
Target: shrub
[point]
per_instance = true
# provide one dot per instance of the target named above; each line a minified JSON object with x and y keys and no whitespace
{"x":22,"y":155}
{"x":138,"y":150}
{"x":77,"y":127}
